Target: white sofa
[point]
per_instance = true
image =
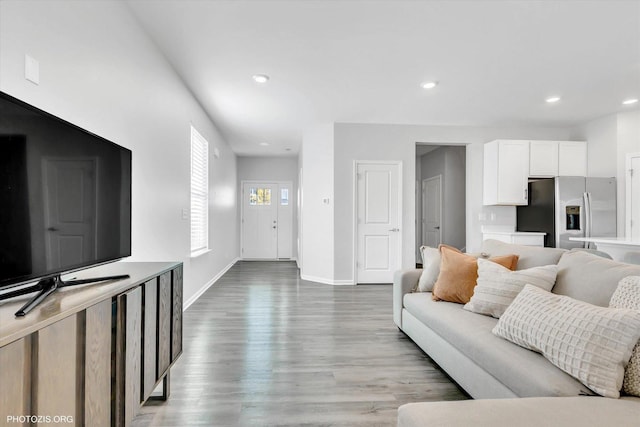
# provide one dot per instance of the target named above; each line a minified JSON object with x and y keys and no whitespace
{"x":489,"y":367}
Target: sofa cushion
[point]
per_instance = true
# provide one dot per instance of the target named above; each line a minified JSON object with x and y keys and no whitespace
{"x":591,"y":343}
{"x":530,"y":256}
{"x":498,"y":286}
{"x":591,"y":278}
{"x":459,"y":272}
{"x":627,"y":295}
{"x":525,"y":372}
{"x":583,"y":411}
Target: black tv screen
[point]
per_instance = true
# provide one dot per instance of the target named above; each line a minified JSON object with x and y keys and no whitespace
{"x":65,"y":196}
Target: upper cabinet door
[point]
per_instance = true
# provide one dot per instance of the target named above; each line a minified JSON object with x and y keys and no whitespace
{"x":506,"y":172}
{"x":543,"y":159}
{"x":572,"y":157}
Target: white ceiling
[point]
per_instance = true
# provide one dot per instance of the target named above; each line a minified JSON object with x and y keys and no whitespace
{"x":363,"y":61}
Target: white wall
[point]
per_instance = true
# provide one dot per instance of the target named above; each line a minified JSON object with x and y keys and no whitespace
{"x":609,"y":140}
{"x":398,"y":142}
{"x":628,"y":142}
{"x":601,"y":137}
{"x":100,"y":71}
{"x":272,"y":169}
{"x":318,"y":203}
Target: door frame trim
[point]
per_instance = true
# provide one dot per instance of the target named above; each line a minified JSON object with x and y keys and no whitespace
{"x":424,"y":181}
{"x":356,"y":164}
{"x":627,"y":188}
{"x":254,"y":181}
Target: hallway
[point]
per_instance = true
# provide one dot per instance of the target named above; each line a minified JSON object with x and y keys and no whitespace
{"x":263,"y":347}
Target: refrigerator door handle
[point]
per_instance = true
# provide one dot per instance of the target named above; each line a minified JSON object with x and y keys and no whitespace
{"x":590,"y":212}
{"x":587,"y":217}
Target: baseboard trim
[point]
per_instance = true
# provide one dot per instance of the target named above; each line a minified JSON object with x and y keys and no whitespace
{"x":207,"y":285}
{"x":326,"y":281}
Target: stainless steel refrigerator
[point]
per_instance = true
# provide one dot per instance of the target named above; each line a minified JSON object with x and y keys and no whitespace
{"x":569,"y":206}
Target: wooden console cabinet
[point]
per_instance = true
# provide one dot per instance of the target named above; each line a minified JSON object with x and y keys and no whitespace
{"x":92,"y":355}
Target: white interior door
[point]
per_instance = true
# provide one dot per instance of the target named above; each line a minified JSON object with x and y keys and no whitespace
{"x":267,"y":220}
{"x":634,"y":198}
{"x":432,"y":211}
{"x":70,"y":211}
{"x":378,"y":222}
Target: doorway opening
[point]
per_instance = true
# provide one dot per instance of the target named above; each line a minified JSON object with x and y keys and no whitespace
{"x":440,"y":196}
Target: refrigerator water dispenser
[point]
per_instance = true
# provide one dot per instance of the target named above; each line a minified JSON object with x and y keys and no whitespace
{"x":573,"y":217}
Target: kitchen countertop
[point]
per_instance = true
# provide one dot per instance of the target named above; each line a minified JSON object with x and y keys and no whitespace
{"x":617,"y":247}
{"x":623,"y":241}
{"x":516,"y":233}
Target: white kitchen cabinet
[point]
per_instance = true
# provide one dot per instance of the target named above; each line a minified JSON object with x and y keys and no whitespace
{"x":516,"y":237}
{"x":543,"y":159}
{"x":572,"y":158}
{"x":557,"y":158}
{"x":506,"y":172}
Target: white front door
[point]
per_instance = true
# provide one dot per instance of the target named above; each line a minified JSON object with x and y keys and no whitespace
{"x":267,"y":220}
{"x":432,"y":211}
{"x":70,"y":211}
{"x":378,"y":222}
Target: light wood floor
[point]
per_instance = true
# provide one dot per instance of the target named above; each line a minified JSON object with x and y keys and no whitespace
{"x":263,"y":348}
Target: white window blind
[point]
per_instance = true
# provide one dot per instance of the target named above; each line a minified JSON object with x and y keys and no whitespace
{"x":199,"y":192}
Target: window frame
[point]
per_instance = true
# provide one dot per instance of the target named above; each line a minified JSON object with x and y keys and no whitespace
{"x":199,"y":194}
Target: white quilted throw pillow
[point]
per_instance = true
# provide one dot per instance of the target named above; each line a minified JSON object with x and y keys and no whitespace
{"x":591,"y":343}
{"x":498,"y":286}
{"x":627,"y":295}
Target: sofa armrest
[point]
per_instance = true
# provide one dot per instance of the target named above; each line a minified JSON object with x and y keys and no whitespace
{"x":404,"y":281}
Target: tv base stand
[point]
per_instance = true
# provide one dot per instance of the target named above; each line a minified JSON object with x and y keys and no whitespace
{"x":48,"y":286}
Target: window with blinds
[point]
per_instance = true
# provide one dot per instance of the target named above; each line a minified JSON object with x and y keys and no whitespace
{"x":199,"y":192}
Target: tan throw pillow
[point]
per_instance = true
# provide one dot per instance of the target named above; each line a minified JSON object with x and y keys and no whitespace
{"x":627,"y":295}
{"x":430,"y":268}
{"x":592,"y":344}
{"x":498,"y":286}
{"x":459,"y":273}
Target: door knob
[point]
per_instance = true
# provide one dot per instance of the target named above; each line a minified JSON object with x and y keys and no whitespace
{"x":52,"y":229}
{"x":436,"y":227}
{"x":395,"y":229}
{"x":274,"y":227}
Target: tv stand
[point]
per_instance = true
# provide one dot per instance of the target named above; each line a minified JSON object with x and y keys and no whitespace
{"x":93,"y":354}
{"x":48,"y":286}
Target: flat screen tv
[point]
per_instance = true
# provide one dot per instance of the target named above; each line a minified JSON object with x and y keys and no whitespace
{"x":65,"y":201}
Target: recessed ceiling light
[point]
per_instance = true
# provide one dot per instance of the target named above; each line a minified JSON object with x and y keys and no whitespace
{"x":429,"y":85}
{"x":260,"y":78}
{"x":630,"y":101}
{"x":552,"y":99}
{"x":264,"y":144}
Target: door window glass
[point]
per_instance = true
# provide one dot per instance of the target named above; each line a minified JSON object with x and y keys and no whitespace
{"x":259,"y":196}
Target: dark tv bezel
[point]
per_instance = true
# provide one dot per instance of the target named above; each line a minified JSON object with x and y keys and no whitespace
{"x":23,"y":280}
